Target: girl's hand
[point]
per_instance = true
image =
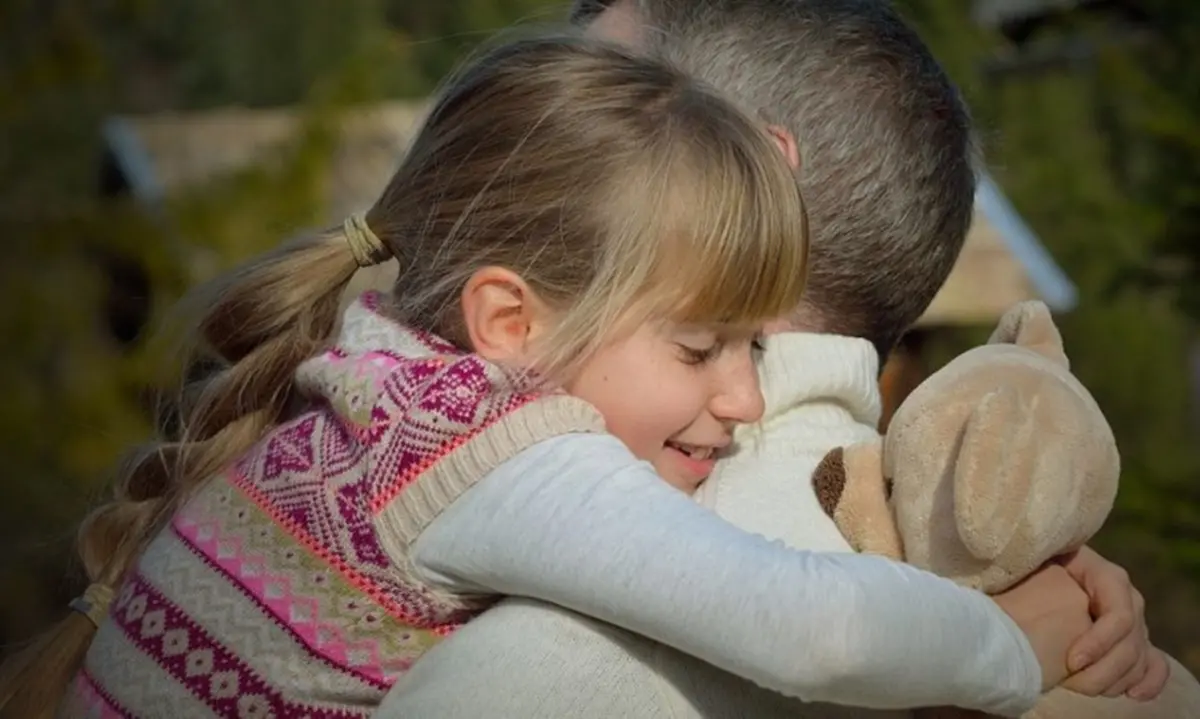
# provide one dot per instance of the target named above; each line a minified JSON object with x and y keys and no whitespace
{"x":1115,"y":656}
{"x":1052,"y":610}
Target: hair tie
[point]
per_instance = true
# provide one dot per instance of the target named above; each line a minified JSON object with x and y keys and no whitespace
{"x":368,"y":249}
{"x":93,"y":603}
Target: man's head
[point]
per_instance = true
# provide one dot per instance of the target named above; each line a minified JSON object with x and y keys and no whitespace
{"x":884,"y":138}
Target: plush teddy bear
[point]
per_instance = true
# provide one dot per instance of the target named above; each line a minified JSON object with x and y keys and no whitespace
{"x":994,"y":465}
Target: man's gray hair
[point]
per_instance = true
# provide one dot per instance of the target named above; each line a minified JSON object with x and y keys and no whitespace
{"x":885,"y":140}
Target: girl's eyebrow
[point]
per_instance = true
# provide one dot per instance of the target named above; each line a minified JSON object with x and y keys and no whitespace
{"x":693,"y":327}
{"x":737,"y":332}
{"x":724,"y":331}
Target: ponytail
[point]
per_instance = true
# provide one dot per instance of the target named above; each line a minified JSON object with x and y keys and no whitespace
{"x":260,"y":322}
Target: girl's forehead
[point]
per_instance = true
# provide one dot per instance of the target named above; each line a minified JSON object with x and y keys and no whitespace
{"x":721,"y":330}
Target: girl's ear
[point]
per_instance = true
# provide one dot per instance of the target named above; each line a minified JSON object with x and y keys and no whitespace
{"x":502,"y":315}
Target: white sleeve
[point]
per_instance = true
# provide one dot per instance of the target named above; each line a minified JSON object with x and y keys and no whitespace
{"x":578,"y":521}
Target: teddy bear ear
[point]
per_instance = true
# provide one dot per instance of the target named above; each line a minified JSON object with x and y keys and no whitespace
{"x":853,"y":491}
{"x":993,"y":473}
{"x":829,"y":480}
{"x":1030,"y":325}
{"x":858,"y":464}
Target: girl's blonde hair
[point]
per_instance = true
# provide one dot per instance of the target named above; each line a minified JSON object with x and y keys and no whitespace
{"x":618,"y":188}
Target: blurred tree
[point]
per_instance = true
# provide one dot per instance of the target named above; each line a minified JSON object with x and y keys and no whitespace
{"x":445,"y":31}
{"x":1163,"y":108}
{"x":1100,"y":157}
{"x":74,"y":396}
{"x":78,"y":392}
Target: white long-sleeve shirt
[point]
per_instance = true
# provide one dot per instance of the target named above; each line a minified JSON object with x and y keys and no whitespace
{"x":579,"y":522}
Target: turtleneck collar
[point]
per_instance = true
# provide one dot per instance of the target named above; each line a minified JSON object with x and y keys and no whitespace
{"x":800,"y":368}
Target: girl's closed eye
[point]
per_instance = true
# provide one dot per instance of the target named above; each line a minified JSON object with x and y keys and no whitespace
{"x":693,"y":355}
{"x":699,"y":353}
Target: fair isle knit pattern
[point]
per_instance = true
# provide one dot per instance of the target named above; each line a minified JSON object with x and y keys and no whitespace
{"x":284,"y":588}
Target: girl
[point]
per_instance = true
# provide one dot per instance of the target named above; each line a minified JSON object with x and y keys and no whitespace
{"x":588,"y":241}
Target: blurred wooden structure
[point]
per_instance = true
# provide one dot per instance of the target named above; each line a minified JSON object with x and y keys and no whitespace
{"x":155,"y":155}
{"x":150,"y":157}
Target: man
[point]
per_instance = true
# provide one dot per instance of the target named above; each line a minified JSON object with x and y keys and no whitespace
{"x":882,"y":144}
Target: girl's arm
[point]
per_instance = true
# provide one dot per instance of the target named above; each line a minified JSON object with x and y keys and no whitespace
{"x":579,"y":522}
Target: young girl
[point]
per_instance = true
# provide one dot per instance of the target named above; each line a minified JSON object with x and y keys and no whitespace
{"x":588,"y":241}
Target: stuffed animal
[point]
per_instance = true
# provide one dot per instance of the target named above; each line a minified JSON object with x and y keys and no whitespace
{"x":994,"y":465}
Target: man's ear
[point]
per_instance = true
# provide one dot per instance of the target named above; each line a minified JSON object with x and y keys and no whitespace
{"x":787,"y":144}
{"x":619,"y":23}
{"x":502,"y":315}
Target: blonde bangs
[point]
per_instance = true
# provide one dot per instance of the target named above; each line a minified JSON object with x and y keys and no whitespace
{"x":730,"y":240}
{"x":707,"y":233}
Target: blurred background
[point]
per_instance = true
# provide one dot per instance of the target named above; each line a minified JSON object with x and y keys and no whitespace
{"x":147,"y":144}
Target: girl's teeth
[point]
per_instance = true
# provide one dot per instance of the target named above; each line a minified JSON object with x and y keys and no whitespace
{"x":698,"y":453}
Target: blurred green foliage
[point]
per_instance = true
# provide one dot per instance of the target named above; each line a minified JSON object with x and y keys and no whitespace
{"x":75,"y":397}
{"x":1101,"y":157}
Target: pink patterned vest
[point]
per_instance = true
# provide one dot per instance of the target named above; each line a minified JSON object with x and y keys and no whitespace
{"x":284,"y":588}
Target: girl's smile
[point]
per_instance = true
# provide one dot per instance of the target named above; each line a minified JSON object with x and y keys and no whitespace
{"x":674,"y":409}
{"x":694,"y":461}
